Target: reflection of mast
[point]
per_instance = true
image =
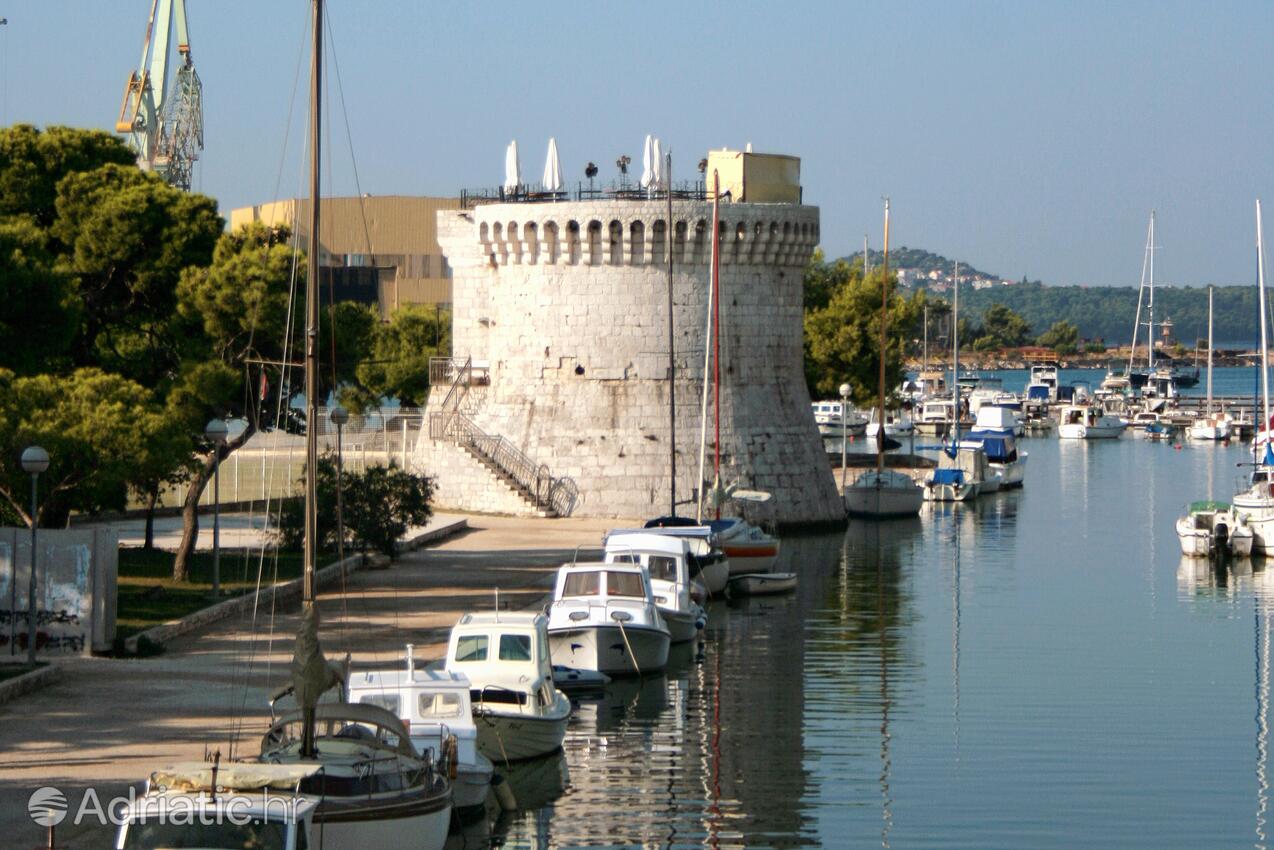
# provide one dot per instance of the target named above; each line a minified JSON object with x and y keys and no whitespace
{"x":1262,"y":647}
{"x":955,"y":637}
{"x":886,"y":814}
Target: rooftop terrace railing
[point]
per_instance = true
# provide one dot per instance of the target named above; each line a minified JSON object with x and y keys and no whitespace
{"x":689,"y":190}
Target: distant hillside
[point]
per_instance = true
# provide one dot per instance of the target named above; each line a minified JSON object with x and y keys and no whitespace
{"x":1107,"y":312}
{"x":920,"y":260}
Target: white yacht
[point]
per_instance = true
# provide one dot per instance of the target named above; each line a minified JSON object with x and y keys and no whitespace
{"x":1005,"y":462}
{"x":834,"y":418}
{"x":435,"y":706}
{"x":709,"y":563}
{"x":603,"y":617}
{"x":936,"y":417}
{"x":897,"y":425}
{"x":1043,"y":383}
{"x":1214,"y":528}
{"x":997,"y":421}
{"x":1088,"y":422}
{"x":667,"y":561}
{"x":749,"y":548}
{"x":883,"y":494}
{"x":518,"y":710}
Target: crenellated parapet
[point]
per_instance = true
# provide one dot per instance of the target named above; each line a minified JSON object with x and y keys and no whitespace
{"x":636,"y":233}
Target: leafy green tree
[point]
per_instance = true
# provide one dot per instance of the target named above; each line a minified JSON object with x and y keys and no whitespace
{"x":96,"y":428}
{"x":400,"y":353}
{"x":842,"y":339}
{"x":42,"y":309}
{"x":1062,"y":337}
{"x":380,"y":504}
{"x":33,"y":162}
{"x":1002,"y":328}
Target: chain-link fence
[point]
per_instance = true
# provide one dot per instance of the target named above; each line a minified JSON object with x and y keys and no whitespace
{"x":271,"y":464}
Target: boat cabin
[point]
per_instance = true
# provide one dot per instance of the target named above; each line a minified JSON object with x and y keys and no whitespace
{"x":432,"y":704}
{"x":252,"y":805}
{"x":505,"y":655}
{"x":666,"y":559}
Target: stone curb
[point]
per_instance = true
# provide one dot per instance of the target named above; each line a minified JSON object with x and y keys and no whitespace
{"x":283,"y":591}
{"x":11,"y":689}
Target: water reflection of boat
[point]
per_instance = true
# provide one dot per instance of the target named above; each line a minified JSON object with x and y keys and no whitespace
{"x":537,"y":782}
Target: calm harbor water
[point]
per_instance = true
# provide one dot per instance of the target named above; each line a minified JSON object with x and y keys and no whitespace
{"x":1226,"y":380}
{"x":1038,"y":669}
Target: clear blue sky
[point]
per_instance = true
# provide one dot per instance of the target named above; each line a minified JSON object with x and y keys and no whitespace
{"x":1023,"y":137}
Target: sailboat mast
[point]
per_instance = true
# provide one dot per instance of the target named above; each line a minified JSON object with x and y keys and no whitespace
{"x":1136,"y":322}
{"x":1150,"y":308}
{"x":707,"y":348}
{"x":1209,"y":351}
{"x":672,"y":363}
{"x":716,"y":362}
{"x":312,"y":316}
{"x":884,"y":318}
{"x":1265,"y":351}
{"x":955,"y":355}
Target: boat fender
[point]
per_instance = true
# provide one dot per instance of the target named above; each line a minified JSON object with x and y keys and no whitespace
{"x":700,"y":624}
{"x":503,"y":793}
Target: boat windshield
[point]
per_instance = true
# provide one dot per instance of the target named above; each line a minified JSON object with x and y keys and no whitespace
{"x":625,"y":584}
{"x":515,"y":647}
{"x":583,"y":584}
{"x":662,"y":568}
{"x":258,"y":834}
{"x":389,"y":702}
{"x":439,"y":704}
{"x":471,"y":648}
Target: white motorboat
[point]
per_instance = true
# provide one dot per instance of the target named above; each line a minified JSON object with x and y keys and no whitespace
{"x":897,"y":425}
{"x":206,"y":796}
{"x":666,"y":559}
{"x":519,"y":712}
{"x":749,"y":548}
{"x":996,"y":421}
{"x":604,"y":618}
{"x":709,"y":564}
{"x":435,"y":706}
{"x":887,"y":493}
{"x":1088,"y":422}
{"x":1005,"y":462}
{"x":762,"y":584}
{"x":1213,"y":425}
{"x":835,"y":419}
{"x":1213,"y":528}
{"x":1043,"y":383}
{"x":950,"y":484}
{"x":936,"y":417}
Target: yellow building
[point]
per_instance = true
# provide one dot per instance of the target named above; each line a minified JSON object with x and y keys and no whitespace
{"x":386,"y":247}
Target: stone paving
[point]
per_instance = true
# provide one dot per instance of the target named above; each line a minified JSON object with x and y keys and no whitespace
{"x":109,"y":722}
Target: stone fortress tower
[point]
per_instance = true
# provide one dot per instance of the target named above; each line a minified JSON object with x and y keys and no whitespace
{"x":556,"y":398}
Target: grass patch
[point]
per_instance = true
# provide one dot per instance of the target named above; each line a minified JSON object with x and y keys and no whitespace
{"x":149,"y":597}
{"x":12,"y":671}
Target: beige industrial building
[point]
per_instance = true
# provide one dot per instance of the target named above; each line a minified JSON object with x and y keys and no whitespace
{"x":385,"y":247}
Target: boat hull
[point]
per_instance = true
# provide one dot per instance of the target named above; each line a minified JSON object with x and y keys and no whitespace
{"x":1077,"y":431}
{"x":715,"y":576}
{"x":761,"y":584}
{"x":682,"y":625}
{"x":1210,"y":431}
{"x":363,"y":825}
{"x":512,"y":737}
{"x":934,"y":492}
{"x":606,"y":649}
{"x":885,"y":500}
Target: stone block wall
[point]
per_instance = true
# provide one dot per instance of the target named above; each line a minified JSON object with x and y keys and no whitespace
{"x":567,"y":303}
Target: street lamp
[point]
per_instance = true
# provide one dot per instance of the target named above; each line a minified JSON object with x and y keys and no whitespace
{"x":339,"y":417}
{"x":216,"y":432}
{"x":34,"y":461}
{"x":844,"y":426}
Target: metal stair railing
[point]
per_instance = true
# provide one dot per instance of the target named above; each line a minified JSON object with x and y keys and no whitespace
{"x":441,"y":421}
{"x":536,"y":481}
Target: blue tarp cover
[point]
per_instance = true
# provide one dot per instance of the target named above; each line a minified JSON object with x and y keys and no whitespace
{"x":948,"y":476}
{"x":997,"y":448}
{"x":1038,"y":394}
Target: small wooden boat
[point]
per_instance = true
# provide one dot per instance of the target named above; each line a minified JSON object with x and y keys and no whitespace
{"x":760,"y":584}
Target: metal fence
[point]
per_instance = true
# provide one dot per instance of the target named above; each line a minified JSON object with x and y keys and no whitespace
{"x":689,"y":190}
{"x":271,"y":464}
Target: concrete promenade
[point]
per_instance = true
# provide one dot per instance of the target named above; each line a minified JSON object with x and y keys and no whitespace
{"x":109,"y":722}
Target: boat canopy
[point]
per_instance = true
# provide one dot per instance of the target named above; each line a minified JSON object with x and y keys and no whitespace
{"x":1206,"y":506}
{"x":1037,"y":392}
{"x":999,"y":449}
{"x":232,"y":776}
{"x":948,"y":476}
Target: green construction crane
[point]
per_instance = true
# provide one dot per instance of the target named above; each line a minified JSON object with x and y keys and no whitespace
{"x":163,"y":122}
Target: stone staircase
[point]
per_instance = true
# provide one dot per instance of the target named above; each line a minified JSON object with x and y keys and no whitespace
{"x":466,"y":389}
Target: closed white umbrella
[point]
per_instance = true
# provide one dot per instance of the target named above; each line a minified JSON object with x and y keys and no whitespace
{"x":662,"y":179}
{"x":647,"y":155}
{"x":512,"y":168}
{"x":552,"y":169}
